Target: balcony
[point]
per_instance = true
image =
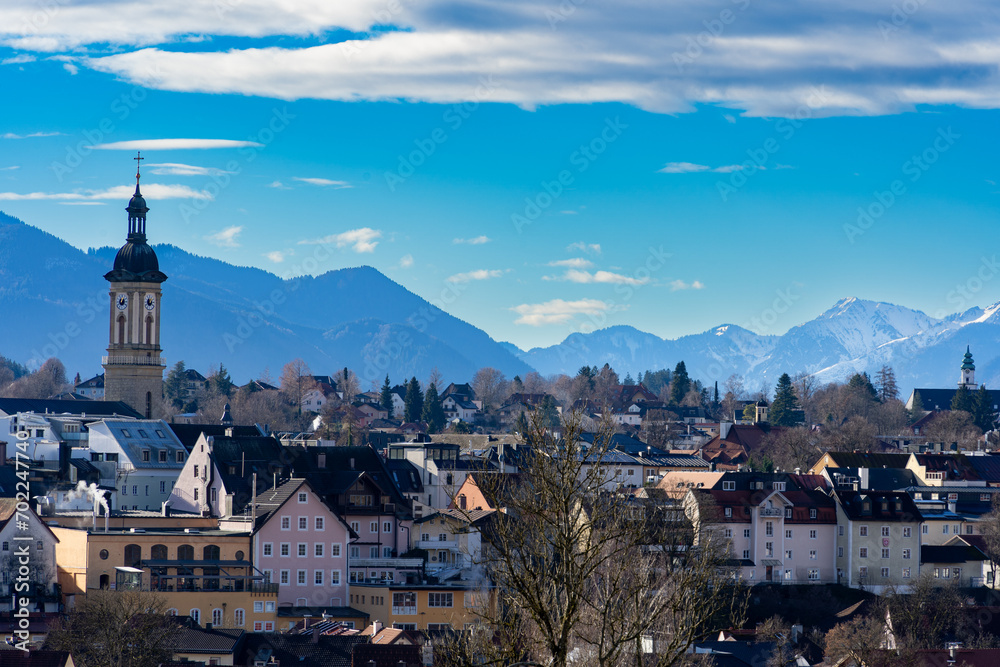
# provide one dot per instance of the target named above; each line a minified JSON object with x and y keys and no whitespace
{"x":386,"y":563}
{"x":773,"y":512}
{"x":128,"y":360}
{"x":404,"y":611}
{"x":432,"y":545}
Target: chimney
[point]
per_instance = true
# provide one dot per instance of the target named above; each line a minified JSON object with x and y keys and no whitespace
{"x":724,"y":429}
{"x":352,"y":463}
{"x":3,"y":452}
{"x":376,"y":627}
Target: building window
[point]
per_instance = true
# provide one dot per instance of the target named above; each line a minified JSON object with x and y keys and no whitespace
{"x":840,"y":530}
{"x":286,"y":523}
{"x":161,"y":456}
{"x":286,"y":549}
{"x":812,"y":534}
{"x":195,"y":470}
{"x":812,"y":512}
{"x":439,"y":599}
{"x":729,"y":486}
{"x":355,"y":526}
{"x":729,"y":511}
{"x":163,"y":487}
{"x":746,"y":532}
{"x":301,"y":549}
{"x":300,"y":577}
{"x":355,"y":552}
{"x":268,"y":549}
{"x":863,"y":552}
{"x":885,"y":553}
{"x":145,"y":455}
{"x":746,"y":554}
{"x":374,"y":527}
{"x":788,"y":512}
{"x":728,"y":532}
{"x":923,"y":529}
{"x":944,"y":529}
{"x":906,"y":573}
{"x":303,"y":523}
{"x":906,"y":531}
{"x":303,"y":497}
{"x":768,"y":528}
{"x":334,"y":577}
{"x":812,"y":554}
{"x":788,"y":533}
{"x":335,"y":550}
{"x":216,"y":617}
{"x":318,"y":577}
{"x":778,"y":486}
{"x":319,"y":523}
{"x":386,"y":526}
{"x":239,"y":618}
{"x":968,"y":529}
{"x":906,"y":554}
{"x":814,"y":575}
{"x":885,"y":573}
{"x":840,"y":552}
{"x":283,"y":579}
{"x":769,"y":549}
{"x":863,"y":572}
{"x":788,"y":554}
{"x":863,"y":531}
{"x":373,"y":552}
{"x":885,"y":531}
{"x":180,"y":457}
{"x":195,"y":615}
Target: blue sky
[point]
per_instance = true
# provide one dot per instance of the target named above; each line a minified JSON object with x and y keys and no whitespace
{"x":537,"y":168}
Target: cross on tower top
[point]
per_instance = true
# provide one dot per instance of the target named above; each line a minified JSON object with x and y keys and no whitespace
{"x":137,"y":157}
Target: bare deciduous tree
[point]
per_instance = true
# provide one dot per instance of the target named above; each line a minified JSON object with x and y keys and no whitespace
{"x":585,"y":576}
{"x":490,"y":386}
{"x":126,"y":628}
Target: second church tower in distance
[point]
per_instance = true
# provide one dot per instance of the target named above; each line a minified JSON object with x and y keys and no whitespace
{"x":133,"y":368}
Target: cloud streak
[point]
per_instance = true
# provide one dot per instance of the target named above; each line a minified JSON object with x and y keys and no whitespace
{"x":480,"y":274}
{"x":122,"y":192}
{"x":175,"y":144}
{"x":678,"y":285}
{"x":558,"y":311}
{"x":478,"y":240}
{"x":226,"y":238}
{"x":362,"y":240}
{"x":324,"y":182}
{"x":691,"y":168}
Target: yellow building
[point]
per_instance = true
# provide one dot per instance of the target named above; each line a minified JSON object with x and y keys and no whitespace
{"x":205,"y":574}
{"x":418,"y":606}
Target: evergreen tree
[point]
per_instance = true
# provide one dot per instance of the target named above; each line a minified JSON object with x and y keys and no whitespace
{"x":550,"y":414}
{"x":387,"y":397}
{"x":414,"y":401}
{"x":628,"y":381}
{"x":521,"y":425}
{"x":173,"y":387}
{"x":861,"y":384}
{"x":917,"y":409}
{"x":433,"y":413}
{"x":785,"y":403}
{"x":76,"y":380}
{"x":220,"y":382}
{"x":885,"y":383}
{"x":982,"y":410}
{"x":517,"y":385}
{"x":681,"y":384}
{"x":962,"y":399}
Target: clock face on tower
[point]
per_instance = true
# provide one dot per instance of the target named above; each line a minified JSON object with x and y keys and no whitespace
{"x":122,"y":301}
{"x":149,"y":302}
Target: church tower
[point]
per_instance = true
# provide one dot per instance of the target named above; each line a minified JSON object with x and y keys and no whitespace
{"x":133,"y":369}
{"x":968,"y":371}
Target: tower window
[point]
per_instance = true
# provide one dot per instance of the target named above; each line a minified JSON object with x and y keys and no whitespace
{"x":121,"y":330}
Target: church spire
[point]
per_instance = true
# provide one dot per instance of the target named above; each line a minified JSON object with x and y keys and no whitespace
{"x":968,"y":370}
{"x":137,"y":208}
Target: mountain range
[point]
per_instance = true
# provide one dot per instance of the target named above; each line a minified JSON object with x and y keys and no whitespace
{"x":54,"y":302}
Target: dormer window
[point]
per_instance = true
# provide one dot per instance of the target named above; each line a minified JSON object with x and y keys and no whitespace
{"x":778,"y":486}
{"x":812,"y":512}
{"x":729,"y":486}
{"x":788,"y":512}
{"x":729,"y":511}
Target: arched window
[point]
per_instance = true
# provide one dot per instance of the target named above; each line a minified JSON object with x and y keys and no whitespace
{"x":158,"y":552}
{"x":133,"y":554}
{"x":216,"y":617}
{"x":171,"y":612}
{"x":239,"y":618}
{"x":185,"y":552}
{"x":121,"y":329}
{"x":195,"y":615}
{"x":211,"y":552}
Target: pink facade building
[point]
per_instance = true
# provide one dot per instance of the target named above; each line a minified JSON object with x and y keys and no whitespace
{"x":302,"y":544}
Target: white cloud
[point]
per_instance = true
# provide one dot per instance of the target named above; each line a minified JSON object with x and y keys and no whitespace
{"x":175,"y":144}
{"x":17,"y":166}
{"x":589,"y":248}
{"x":227,"y":237}
{"x":19,"y":59}
{"x":762,"y":61}
{"x":558,"y":311}
{"x":676,"y":285}
{"x":478,"y":240}
{"x":481,"y":274}
{"x":11,"y":135}
{"x":177,"y":169}
{"x":323,"y":182}
{"x":278,"y":256}
{"x":124,"y":192}
{"x":573,"y":263}
{"x":361,"y":240}
{"x":691,"y":168}
{"x":406,"y":261}
{"x":279,"y":185}
{"x":607,"y":277}
{"x":71,"y":68}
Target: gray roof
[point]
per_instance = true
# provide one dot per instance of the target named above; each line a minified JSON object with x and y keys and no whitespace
{"x":11,"y":406}
{"x":152,"y":435}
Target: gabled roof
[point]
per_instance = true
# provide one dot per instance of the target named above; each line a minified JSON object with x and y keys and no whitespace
{"x":869,"y":460}
{"x":188,"y":433}
{"x":246,"y":456}
{"x":41,"y":658}
{"x":270,"y":501}
{"x":203,"y":640}
{"x":940,"y":399}
{"x":405,"y":475}
{"x":144,"y":435}
{"x":950,"y":553}
{"x":8,"y":507}
{"x":10,"y":406}
{"x":342,"y":468}
{"x":299,"y":650}
{"x":882,"y":506}
{"x":470,"y":517}
{"x":96,"y":382}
